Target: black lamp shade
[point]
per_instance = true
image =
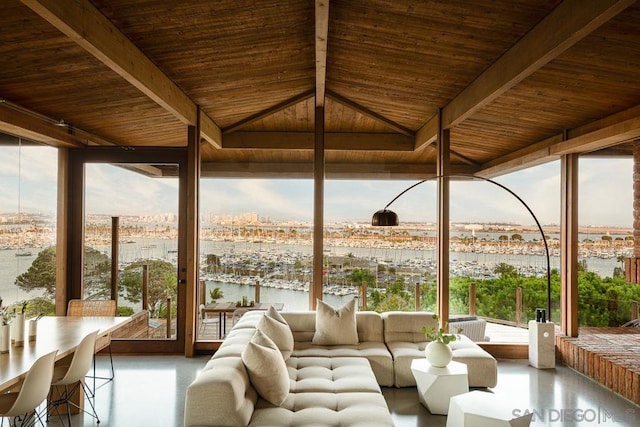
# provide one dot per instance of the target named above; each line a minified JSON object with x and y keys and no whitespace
{"x":385,"y":218}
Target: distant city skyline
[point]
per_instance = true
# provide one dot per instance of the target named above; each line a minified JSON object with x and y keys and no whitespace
{"x":605,"y":197}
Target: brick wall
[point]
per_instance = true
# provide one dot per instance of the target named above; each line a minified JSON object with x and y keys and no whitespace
{"x":610,"y":356}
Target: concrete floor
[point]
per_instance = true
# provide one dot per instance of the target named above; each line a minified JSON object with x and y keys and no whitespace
{"x":149,"y":391}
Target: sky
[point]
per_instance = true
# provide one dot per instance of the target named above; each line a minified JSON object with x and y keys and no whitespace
{"x":28,"y":183}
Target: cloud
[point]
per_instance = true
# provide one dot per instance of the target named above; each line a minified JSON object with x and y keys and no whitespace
{"x":289,"y":200}
{"x":605,"y":193}
{"x":28,"y":178}
{"x":114,"y":191}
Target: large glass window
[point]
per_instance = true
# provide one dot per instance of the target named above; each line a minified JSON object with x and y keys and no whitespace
{"x":28,"y":183}
{"x":255,"y":248}
{"x":379,"y":265}
{"x":497,"y":259}
{"x":141,"y":211}
{"x":605,"y":239}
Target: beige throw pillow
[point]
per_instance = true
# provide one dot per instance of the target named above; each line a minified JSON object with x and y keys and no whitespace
{"x":275,"y":314}
{"x":278,"y":332}
{"x":335,"y":326}
{"x":267,"y":370}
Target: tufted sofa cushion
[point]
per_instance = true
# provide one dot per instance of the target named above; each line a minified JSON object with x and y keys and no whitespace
{"x":325,"y":409}
{"x":330,"y":374}
{"x":371,"y":345}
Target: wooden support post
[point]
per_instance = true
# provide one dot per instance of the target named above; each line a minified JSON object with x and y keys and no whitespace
{"x":256,"y":297}
{"x":518,"y":306}
{"x":202,"y":292}
{"x":634,"y":310}
{"x":145,"y":287}
{"x":115,"y":238}
{"x":168,"y":317}
{"x":189,"y":248}
{"x":472,"y":299}
{"x":363,"y":296}
{"x":417,"y":307}
{"x":569,"y":245}
{"x":62,"y":238}
{"x":442,"y":257}
{"x":632,"y":269}
{"x":315,"y":289}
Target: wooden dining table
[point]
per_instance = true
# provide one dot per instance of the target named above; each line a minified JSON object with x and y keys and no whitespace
{"x":53,"y":333}
{"x":223,"y":308}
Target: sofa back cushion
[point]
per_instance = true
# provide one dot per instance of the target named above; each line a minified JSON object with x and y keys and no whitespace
{"x":303,"y":325}
{"x":406,"y":326}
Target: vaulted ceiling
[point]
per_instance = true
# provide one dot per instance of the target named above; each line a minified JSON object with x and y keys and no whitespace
{"x":517,"y":82}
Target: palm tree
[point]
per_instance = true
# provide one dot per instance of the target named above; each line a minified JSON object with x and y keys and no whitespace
{"x":215,"y":294}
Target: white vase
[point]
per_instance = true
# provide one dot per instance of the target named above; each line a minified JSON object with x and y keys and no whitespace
{"x":5,"y":338}
{"x":438,"y":354}
{"x":18,"y":330}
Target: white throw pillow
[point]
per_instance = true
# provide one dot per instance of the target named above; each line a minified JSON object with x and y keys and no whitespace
{"x":278,"y":332}
{"x":336,"y":326}
{"x":266,"y":368}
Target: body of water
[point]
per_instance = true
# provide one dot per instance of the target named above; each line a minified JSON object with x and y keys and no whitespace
{"x":292,"y":300}
{"x":11,"y":265}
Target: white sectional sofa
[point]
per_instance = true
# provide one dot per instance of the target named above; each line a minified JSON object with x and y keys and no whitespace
{"x":337,"y":385}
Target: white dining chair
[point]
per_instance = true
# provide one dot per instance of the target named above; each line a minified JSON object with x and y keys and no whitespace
{"x":206,"y":320}
{"x":68,"y":378}
{"x":21,"y":405}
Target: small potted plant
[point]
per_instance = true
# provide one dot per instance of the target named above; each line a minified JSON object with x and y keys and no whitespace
{"x":438,"y":352}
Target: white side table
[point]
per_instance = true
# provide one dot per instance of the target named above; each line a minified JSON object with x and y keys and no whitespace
{"x":483,"y":409}
{"x":437,"y":385}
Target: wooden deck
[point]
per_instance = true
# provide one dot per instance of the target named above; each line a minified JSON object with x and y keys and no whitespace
{"x":610,"y":356}
{"x":498,"y":333}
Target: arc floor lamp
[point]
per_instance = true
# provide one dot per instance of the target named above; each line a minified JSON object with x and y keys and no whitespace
{"x":388,"y":218}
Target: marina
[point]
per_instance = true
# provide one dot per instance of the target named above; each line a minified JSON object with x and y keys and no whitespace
{"x":285,"y":264}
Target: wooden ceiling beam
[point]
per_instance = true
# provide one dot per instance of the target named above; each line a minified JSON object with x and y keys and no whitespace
{"x":269,"y":111}
{"x":209,"y":131}
{"x":15,"y":121}
{"x":147,"y":170}
{"x":605,"y":137}
{"x":529,"y":156}
{"x":610,"y":152}
{"x":568,"y":23}
{"x":322,"y":35}
{"x":304,"y":170}
{"x":84,"y":24}
{"x":305,"y":141}
{"x":366,"y":112}
{"x":599,"y":135}
{"x":427,"y":134}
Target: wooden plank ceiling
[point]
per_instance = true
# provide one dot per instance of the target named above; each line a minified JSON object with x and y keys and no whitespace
{"x":518,"y":82}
